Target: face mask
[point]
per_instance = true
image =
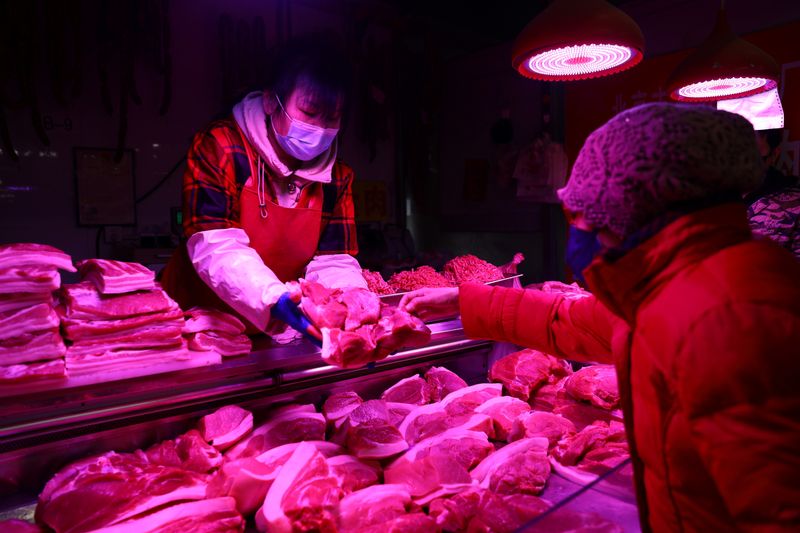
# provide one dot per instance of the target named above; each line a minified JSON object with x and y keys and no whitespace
{"x":304,"y":141}
{"x":582,"y":247}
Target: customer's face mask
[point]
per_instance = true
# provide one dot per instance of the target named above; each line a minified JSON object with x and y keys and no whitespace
{"x":582,"y":248}
{"x":303,"y":141}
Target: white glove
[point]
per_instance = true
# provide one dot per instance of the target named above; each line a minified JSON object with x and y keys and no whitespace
{"x":235,"y":272}
{"x":336,"y":271}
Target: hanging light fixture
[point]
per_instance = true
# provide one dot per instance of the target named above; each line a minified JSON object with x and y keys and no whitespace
{"x":576,"y":40}
{"x":723,"y":67}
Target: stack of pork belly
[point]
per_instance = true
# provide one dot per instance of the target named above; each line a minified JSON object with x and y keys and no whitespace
{"x":31,"y":346}
{"x":118,"y":318}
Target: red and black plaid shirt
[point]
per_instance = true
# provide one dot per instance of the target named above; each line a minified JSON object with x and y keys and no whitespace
{"x":217,"y":169}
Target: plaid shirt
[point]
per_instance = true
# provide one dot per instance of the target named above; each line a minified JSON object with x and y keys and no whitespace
{"x":218,"y":168}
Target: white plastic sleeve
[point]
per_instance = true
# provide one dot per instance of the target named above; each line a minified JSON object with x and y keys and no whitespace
{"x":335,"y":271}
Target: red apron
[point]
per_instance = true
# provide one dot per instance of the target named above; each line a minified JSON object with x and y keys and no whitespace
{"x":286,"y":239}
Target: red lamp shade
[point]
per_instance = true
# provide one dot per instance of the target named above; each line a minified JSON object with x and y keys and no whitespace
{"x":724,"y":67}
{"x":576,"y":40}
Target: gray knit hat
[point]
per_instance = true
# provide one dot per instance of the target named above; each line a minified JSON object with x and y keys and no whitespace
{"x":653,"y":156}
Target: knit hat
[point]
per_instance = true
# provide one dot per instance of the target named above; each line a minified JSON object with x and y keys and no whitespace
{"x":654,"y":156}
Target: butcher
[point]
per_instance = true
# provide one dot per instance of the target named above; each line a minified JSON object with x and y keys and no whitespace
{"x":266,"y":199}
{"x":701,"y":320}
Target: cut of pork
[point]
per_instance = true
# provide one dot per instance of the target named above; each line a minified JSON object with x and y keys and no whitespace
{"x":596,"y":384}
{"x":442,"y":382}
{"x":36,"y":255}
{"x":80,"y":329}
{"x":83,"y":301}
{"x":479,"y":509}
{"x":116,"y":277}
{"x":340,"y":404}
{"x":217,"y":515}
{"x":304,"y":496}
{"x":372,"y":506}
{"x":346,"y":309}
{"x":349,"y":349}
{"x":521,"y":466}
{"x":188,"y":451}
{"x":226,"y":426}
{"x":40,"y":317}
{"x":504,"y":410}
{"x":289,"y":425}
{"x":541,"y":424}
{"x":413,"y":390}
{"x":397,"y":329}
{"x":420,"y":468}
{"x":209,"y":319}
{"x":432,"y":419}
{"x":29,"y":279}
{"x":111,"y":488}
{"x":525,"y":371}
{"x":466,"y":400}
{"x":120,"y":360}
{"x":222,"y":343}
{"x":21,"y":300}
{"x":398,"y":412}
{"x":354,"y":474}
{"x":469,"y":268}
{"x":596,"y":436}
{"x":31,"y":347}
{"x":370,"y":434}
{"x":54,"y":369}
{"x":582,"y":413}
{"x":566,"y":521}
{"x":145,"y":337}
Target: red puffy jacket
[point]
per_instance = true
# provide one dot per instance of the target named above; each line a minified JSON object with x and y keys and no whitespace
{"x":703,"y":325}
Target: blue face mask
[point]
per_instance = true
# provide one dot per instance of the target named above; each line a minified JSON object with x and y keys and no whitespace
{"x":304,"y":141}
{"x":582,"y":248}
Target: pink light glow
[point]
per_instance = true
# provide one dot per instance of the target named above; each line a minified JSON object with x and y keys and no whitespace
{"x":579,"y":60}
{"x":723,"y":87}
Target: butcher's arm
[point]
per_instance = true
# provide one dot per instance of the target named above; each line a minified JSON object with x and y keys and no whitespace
{"x":737,"y":380}
{"x":574,"y":329}
{"x":335,"y":271}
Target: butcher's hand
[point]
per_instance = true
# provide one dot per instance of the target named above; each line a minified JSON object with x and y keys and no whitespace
{"x":286,"y":310}
{"x":430,"y":304}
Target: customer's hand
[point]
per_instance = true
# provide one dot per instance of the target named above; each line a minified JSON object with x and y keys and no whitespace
{"x":430,"y":304}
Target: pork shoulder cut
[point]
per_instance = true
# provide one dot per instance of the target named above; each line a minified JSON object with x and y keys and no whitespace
{"x":215,"y":515}
{"x":295,"y":424}
{"x":412,"y":390}
{"x":525,"y":371}
{"x":521,"y":466}
{"x":226,"y":426}
{"x":596,"y":384}
{"x":442,"y":382}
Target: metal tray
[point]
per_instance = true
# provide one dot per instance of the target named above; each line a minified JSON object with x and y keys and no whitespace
{"x":394,"y":299}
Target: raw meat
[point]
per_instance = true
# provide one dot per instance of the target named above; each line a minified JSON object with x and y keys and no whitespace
{"x":188,"y":451}
{"x":376,"y":283}
{"x":217,"y":515}
{"x":20,"y":300}
{"x":372,"y":506}
{"x":398,"y":412}
{"x":119,"y":360}
{"x":208,"y":319}
{"x":111,"y":488}
{"x":566,"y":521}
{"x":420,"y":278}
{"x":29,"y":279}
{"x":466,"y":400}
{"x":31,"y":347}
{"x":145,"y":337}
{"x":521,"y":466}
{"x":354,"y":474}
{"x":479,"y":509}
{"x":84,"y":302}
{"x":40,"y":317}
{"x":407,"y":523}
{"x":30,"y":254}
{"x":459,"y":449}
{"x":339,"y":405}
{"x":116,"y":277}
{"x":303,"y":497}
{"x":291,"y":425}
{"x":468,"y":268}
{"x":221,"y":343}
{"x":523,"y":372}
{"x":79,"y":329}
{"x":596,"y":436}
{"x":596,"y":384}
{"x":442,"y":382}
{"x":397,"y":329}
{"x":428,"y":420}
{"x":582,"y":413}
{"x":412,"y":390}
{"x":541,"y":424}
{"x":504,"y":411}
{"x":226,"y":426}
{"x":19,"y":526}
{"x":346,"y":309}
{"x":54,"y":369}
{"x":546,"y":397}
{"x":510,"y":268}
{"x":370,"y":434}
{"x":349,"y":349}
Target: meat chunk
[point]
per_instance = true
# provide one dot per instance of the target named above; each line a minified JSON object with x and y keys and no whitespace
{"x":525,"y":371}
{"x":596,"y":384}
{"x":442,"y":382}
{"x":29,"y":279}
{"x":521,"y":466}
{"x":54,"y":369}
{"x":21,"y":300}
{"x":372,"y":506}
{"x":188,"y":451}
{"x":77,"y":329}
{"x":346,"y":309}
{"x":596,"y":436}
{"x":217,"y":515}
{"x":283,"y":427}
{"x":34,"y":319}
{"x":479,"y":509}
{"x":428,"y":420}
{"x":36,"y":255}
{"x":541,"y":424}
{"x":504,"y":410}
{"x":116,"y":277}
{"x":370,"y":433}
{"x":83,"y":301}
{"x":226,"y":426}
{"x":466,"y":400}
{"x":396,"y":329}
{"x":304,"y":496}
{"x":413,"y":390}
{"x":354,"y":474}
{"x":30,"y":347}
{"x":118,"y":360}
{"x":339,"y":405}
{"x":209,"y":319}
{"x":469,"y":268}
{"x":222,"y":343}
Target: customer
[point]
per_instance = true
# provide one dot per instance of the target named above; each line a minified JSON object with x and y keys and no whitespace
{"x":701,"y":320}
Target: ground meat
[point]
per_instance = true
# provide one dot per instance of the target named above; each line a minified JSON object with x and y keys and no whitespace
{"x":420,"y":278}
{"x":466,"y":268}
{"x":376,"y":283}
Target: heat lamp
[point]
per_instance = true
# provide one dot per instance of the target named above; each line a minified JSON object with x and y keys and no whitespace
{"x":576,"y":40}
{"x":723,"y":67}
